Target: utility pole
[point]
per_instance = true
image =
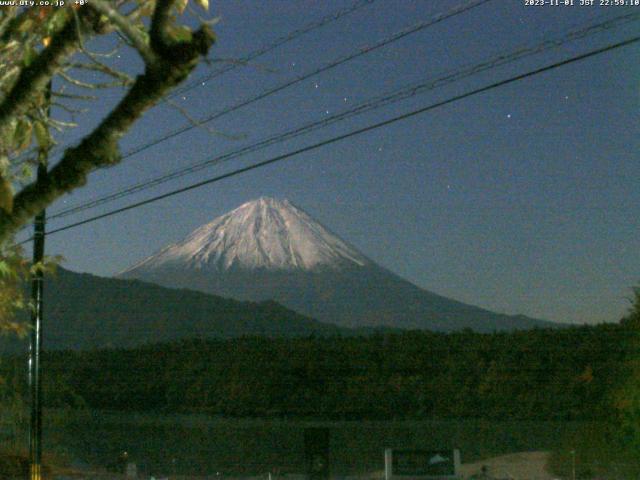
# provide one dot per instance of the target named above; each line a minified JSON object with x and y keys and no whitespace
{"x":35,"y":345}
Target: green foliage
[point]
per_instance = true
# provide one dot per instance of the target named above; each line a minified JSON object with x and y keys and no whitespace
{"x":611,"y":450}
{"x":13,"y":273}
{"x":633,"y":316}
{"x":626,"y":399}
{"x":47,"y":45}
{"x":545,"y":377}
{"x":536,"y":375}
{"x":14,"y":419}
{"x":25,"y":33}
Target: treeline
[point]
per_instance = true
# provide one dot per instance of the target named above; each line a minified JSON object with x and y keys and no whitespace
{"x":540,"y":374}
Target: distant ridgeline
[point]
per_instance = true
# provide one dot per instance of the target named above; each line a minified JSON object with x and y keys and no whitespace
{"x":539,"y":374}
{"x":83,"y":311}
{"x":271,"y":249}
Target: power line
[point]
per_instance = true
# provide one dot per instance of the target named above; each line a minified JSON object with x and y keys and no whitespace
{"x":368,"y":105}
{"x":272,"y":46}
{"x":350,"y":134}
{"x":460,"y":9}
{"x":266,"y":93}
{"x":293,"y":35}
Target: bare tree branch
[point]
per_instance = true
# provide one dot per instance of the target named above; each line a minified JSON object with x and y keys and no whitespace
{"x":70,"y":110}
{"x":201,"y":18}
{"x":100,"y":67}
{"x":200,"y":124}
{"x":174,"y":61}
{"x":135,"y":14}
{"x":73,"y":96}
{"x":11,"y":71}
{"x":159,"y":25}
{"x":92,"y":86}
{"x":36,"y":76}
{"x":128,"y":29}
{"x":11,"y":21}
{"x":93,"y":56}
{"x":60,"y":125}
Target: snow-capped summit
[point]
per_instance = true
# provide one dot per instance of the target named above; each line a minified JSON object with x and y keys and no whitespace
{"x":264,"y":233}
{"x":269,"y":249}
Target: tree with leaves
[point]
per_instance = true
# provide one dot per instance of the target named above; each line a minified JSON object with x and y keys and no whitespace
{"x":627,"y":398}
{"x":45,"y":46}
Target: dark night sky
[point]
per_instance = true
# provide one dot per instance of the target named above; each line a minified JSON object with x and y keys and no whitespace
{"x":520,"y":200}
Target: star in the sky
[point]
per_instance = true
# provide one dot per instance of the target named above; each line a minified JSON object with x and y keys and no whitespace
{"x":508,"y":115}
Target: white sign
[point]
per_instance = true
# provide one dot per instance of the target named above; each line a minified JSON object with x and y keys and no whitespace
{"x":401,"y":464}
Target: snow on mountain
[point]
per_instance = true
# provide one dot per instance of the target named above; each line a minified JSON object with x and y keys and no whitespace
{"x":263,"y":233}
{"x":271,"y":250}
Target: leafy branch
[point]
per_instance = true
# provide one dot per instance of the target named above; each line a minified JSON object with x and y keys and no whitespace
{"x":168,"y":61}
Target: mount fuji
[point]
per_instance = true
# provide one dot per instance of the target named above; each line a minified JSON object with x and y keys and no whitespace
{"x":269,"y":249}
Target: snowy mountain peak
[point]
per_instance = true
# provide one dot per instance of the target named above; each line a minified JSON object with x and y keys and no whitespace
{"x":263,"y":233}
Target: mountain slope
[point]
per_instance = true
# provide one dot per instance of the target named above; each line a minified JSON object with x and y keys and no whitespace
{"x":83,"y":311}
{"x":260,"y":234}
{"x":270,"y":249}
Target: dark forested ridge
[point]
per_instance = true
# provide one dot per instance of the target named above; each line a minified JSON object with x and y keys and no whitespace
{"x":83,"y":311}
{"x":539,"y":374}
